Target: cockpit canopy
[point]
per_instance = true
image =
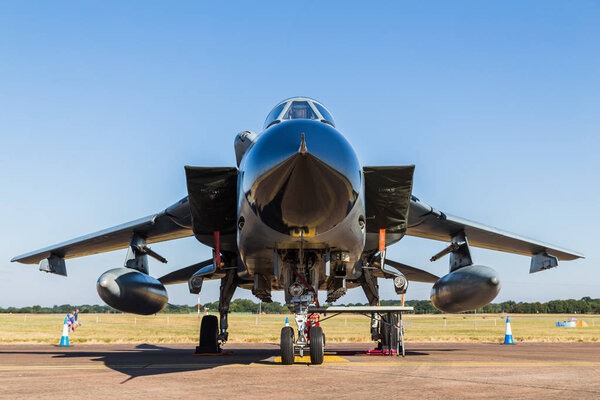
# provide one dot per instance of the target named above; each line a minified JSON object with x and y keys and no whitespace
{"x":299,"y":108}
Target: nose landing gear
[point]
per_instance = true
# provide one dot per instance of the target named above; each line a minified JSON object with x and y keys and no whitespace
{"x":310,"y":337}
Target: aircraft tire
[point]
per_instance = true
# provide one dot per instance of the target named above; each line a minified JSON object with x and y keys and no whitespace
{"x":287,"y":345}
{"x":209,"y":330}
{"x":316,"y":345}
{"x":385,"y":326}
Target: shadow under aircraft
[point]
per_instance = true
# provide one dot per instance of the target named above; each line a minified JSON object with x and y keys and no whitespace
{"x":149,"y":359}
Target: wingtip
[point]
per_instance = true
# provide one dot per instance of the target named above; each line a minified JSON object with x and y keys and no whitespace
{"x":571,"y":256}
{"x":23,"y":259}
{"x":574,"y":255}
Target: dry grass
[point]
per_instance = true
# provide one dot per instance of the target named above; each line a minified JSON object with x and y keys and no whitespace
{"x":179,"y":328}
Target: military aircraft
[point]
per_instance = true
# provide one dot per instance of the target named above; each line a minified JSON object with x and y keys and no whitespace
{"x":300,"y":214}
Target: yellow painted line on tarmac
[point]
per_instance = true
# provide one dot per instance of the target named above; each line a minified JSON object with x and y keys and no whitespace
{"x":306,"y":359}
{"x":479,"y":364}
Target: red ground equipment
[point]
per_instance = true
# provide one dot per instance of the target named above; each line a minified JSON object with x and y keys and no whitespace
{"x":312,"y":320}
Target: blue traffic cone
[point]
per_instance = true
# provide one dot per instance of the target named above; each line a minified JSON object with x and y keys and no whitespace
{"x":64,"y":340}
{"x":508,"y":339}
{"x":287,"y":322}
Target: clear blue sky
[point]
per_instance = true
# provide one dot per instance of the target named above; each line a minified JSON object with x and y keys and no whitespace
{"x":103,"y":103}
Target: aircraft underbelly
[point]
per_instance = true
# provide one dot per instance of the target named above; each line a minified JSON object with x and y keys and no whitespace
{"x":257,"y":242}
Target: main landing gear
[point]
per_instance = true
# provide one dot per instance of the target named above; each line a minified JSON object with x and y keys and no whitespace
{"x":209,"y":332}
{"x":390,"y":334}
{"x":211,"y":338}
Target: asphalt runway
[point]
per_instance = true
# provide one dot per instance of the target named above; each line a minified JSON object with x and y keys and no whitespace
{"x":248,"y":371}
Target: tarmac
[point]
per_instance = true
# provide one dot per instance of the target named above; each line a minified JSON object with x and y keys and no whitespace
{"x":252,"y":371}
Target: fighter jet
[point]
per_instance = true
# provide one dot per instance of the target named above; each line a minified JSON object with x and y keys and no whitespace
{"x":299,"y":213}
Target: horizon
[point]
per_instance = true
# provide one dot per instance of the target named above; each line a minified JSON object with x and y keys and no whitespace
{"x":257,"y":301}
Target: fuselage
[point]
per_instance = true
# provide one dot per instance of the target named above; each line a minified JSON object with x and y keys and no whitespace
{"x":300,"y":189}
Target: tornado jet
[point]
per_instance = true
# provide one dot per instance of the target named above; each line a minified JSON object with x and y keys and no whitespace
{"x":298,"y":214}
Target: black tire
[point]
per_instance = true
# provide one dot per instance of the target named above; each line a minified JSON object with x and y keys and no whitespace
{"x":287,"y":345}
{"x":316,"y":345}
{"x":209,"y":330}
{"x":384,"y":333}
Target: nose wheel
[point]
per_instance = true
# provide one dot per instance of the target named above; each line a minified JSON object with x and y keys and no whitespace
{"x":315,"y":345}
{"x":287,"y":345}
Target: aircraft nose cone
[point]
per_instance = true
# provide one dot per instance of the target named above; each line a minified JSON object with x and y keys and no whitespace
{"x":301,"y":176}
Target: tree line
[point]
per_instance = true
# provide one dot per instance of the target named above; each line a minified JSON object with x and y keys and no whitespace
{"x":585,"y":305}
{"x":570,"y":306}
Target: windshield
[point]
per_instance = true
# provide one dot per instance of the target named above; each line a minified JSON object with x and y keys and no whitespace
{"x":298,"y":108}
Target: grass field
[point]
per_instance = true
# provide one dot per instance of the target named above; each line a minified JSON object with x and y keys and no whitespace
{"x":183,"y":328}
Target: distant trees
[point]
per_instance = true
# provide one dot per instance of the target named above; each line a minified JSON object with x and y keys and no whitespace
{"x":570,"y":306}
{"x":248,"y":306}
{"x":64,"y":308}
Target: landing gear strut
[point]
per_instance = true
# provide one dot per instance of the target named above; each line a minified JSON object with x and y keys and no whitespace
{"x":300,"y":277}
{"x":228,"y":286}
{"x":368,"y":282}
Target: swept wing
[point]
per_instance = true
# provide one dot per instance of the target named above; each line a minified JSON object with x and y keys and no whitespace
{"x":427,"y":222}
{"x":172,"y":223}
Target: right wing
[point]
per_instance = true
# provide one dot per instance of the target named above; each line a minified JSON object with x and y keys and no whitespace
{"x":427,"y":222}
{"x":173,"y":223}
{"x":184,"y":274}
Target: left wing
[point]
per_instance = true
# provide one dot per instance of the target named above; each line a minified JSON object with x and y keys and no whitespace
{"x":412,"y":273}
{"x":173,"y":223}
{"x":210,"y":207}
